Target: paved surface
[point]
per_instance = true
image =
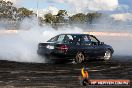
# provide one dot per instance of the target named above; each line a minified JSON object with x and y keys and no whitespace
{"x":44,"y":75}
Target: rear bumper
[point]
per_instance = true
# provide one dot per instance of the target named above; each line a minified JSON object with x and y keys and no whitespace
{"x":51,"y":55}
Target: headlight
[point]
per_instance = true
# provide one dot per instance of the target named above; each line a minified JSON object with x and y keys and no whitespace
{"x":50,"y":47}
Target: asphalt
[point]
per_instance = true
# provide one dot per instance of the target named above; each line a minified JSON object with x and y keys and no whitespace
{"x":62,"y":75}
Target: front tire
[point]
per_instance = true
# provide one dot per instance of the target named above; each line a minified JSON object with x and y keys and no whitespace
{"x":108,"y":55}
{"x":79,"y":57}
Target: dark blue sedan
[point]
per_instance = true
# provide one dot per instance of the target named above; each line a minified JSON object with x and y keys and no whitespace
{"x":77,"y":47}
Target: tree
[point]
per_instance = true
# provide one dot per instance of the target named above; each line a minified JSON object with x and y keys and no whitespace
{"x":7,"y":10}
{"x":78,"y":18}
{"x":23,"y":12}
{"x":60,"y":17}
{"x":62,"y":13}
{"x":49,"y":18}
{"x":84,"y":18}
{"x":91,"y":17}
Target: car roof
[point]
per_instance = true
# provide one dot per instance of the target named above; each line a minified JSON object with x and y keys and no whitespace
{"x":73,"y":34}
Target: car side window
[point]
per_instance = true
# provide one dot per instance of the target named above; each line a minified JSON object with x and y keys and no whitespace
{"x":85,"y":40}
{"x":53,"y":39}
{"x":68,"y":39}
{"x":72,"y":39}
{"x":60,"y":38}
{"x":94,"y":40}
{"x":76,"y":40}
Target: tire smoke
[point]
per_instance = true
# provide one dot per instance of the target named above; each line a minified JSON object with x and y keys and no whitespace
{"x":21,"y":45}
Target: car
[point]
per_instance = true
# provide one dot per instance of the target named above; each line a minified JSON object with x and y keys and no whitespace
{"x":75,"y":47}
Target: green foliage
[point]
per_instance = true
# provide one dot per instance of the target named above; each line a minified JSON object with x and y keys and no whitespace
{"x":59,"y":18}
{"x":82,"y":18}
{"x":92,"y":17}
{"x":62,"y":13}
{"x":78,"y":18}
{"x":7,"y":10}
{"x":23,"y":12}
{"x":49,"y":18}
{"x":10,"y":12}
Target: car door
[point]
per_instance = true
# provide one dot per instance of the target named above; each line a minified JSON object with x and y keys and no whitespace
{"x":87,"y":47}
{"x":99,"y":49}
{"x":70,"y":41}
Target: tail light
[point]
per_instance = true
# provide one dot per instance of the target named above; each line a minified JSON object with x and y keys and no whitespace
{"x":63,"y":48}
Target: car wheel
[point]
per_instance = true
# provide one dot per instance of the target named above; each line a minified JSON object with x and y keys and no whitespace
{"x":79,"y":57}
{"x":107,"y":55}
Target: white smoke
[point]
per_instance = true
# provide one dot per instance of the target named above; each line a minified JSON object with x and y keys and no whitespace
{"x":51,"y":9}
{"x":97,"y":5}
{"x":121,"y":44}
{"x":22,"y":45}
{"x":122,"y":17}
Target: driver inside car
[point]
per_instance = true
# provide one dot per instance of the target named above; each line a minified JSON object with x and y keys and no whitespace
{"x":86,"y":40}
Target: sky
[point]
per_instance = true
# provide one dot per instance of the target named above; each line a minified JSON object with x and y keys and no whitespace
{"x":75,"y":5}
{"x":122,"y":8}
{"x":66,"y":4}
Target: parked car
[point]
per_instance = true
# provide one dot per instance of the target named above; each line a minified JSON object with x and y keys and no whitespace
{"x":77,"y":47}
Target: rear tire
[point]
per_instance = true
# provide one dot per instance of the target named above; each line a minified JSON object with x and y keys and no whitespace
{"x":108,"y":55}
{"x":79,"y":57}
